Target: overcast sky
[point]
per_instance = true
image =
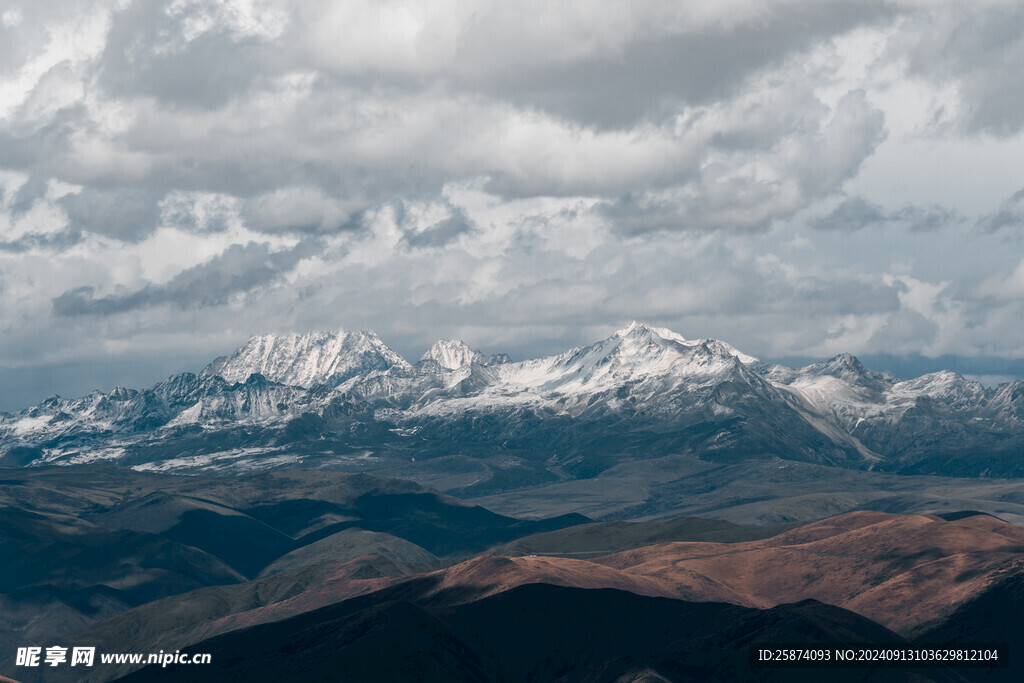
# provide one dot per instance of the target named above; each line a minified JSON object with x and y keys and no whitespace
{"x":797,"y":178}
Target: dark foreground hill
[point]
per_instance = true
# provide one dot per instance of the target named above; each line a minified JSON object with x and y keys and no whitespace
{"x":530,"y":633}
{"x":994,"y":616}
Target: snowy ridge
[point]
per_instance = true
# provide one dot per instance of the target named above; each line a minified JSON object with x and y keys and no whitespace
{"x":843,"y":389}
{"x":125,"y":415}
{"x":638,"y":365}
{"x":669,"y":335}
{"x":351,"y":388}
{"x":634,"y":352}
{"x":305,"y":360}
{"x":914,"y":419}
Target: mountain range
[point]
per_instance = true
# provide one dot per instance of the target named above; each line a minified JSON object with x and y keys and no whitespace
{"x":345,"y":400}
{"x":366,"y":509}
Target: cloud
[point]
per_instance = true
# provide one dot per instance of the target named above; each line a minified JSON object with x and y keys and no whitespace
{"x":28,"y":194}
{"x":124,"y":213}
{"x":640,"y":78}
{"x":926,"y":219}
{"x":856,"y":213}
{"x":755,"y":182}
{"x":439,"y":234}
{"x":35,"y":241}
{"x":184,"y":53}
{"x":298,"y":210}
{"x":905,"y":331}
{"x":524,"y":174}
{"x":979,"y":49}
{"x":1009,"y":216}
{"x":238,"y":270}
{"x":603,"y":65}
{"x":200,"y":211}
{"x":312,"y":114}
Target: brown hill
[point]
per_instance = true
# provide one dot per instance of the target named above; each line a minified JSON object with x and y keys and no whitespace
{"x":905,"y":572}
{"x":603,"y":538}
{"x":491,"y":575}
{"x":899,"y":570}
{"x":350,"y":544}
{"x":470,"y":580}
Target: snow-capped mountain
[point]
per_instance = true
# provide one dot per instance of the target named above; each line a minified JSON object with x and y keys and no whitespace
{"x":641,"y":392}
{"x":306,"y":360}
{"x":652,"y":362}
{"x":453,"y":354}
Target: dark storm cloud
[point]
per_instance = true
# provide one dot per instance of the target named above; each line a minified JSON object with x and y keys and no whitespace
{"x":239,"y":269}
{"x":650,"y":79}
{"x":981,"y":50}
{"x":856,"y":213}
{"x":1010,"y":215}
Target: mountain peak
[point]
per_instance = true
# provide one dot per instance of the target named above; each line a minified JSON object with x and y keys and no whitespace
{"x":453,"y":354}
{"x":843,"y":363}
{"x":307,"y":359}
{"x":643,"y":331}
{"x":637,"y":329}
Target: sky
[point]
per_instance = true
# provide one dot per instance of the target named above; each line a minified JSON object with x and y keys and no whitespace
{"x":799,"y":178}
